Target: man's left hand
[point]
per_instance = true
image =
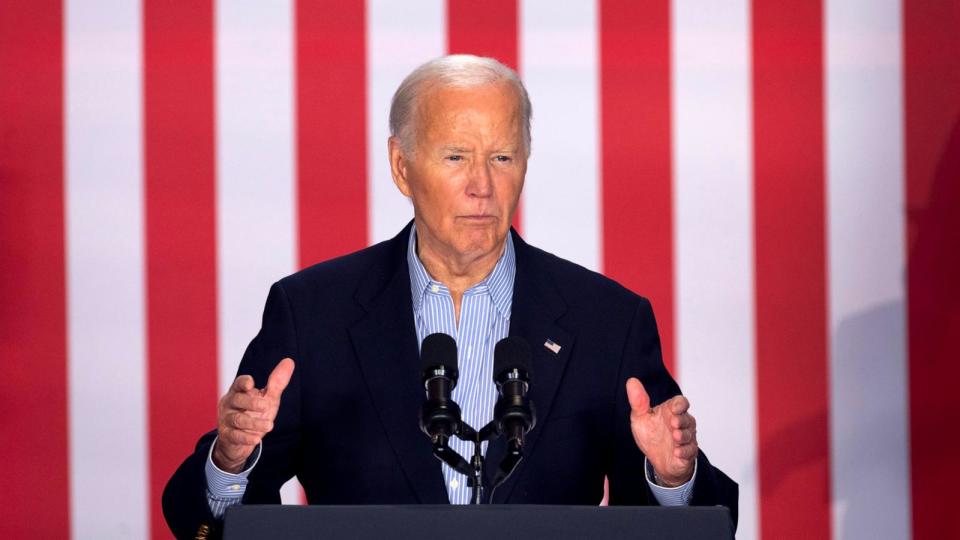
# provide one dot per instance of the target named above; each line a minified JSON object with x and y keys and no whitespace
{"x":666,"y":434}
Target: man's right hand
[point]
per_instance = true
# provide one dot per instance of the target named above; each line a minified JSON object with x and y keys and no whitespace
{"x":245,"y":414}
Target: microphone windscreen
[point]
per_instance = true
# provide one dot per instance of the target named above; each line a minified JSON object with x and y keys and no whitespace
{"x":439,"y":350}
{"x":511,"y":353}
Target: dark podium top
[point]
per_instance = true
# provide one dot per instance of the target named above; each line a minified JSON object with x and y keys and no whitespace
{"x":482,"y":522}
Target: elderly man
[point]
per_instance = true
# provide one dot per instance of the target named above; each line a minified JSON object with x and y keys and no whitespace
{"x":344,"y":421}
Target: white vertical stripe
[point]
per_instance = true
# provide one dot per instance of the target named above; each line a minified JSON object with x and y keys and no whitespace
{"x":256,"y":214}
{"x":105,"y":270}
{"x":558,"y":61}
{"x":714,"y":235}
{"x":400,"y":37}
{"x":868,"y":392}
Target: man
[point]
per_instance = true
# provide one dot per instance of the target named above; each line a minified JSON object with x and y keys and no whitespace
{"x":330,"y":388}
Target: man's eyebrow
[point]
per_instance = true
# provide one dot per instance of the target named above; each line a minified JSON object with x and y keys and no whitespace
{"x":465,"y":150}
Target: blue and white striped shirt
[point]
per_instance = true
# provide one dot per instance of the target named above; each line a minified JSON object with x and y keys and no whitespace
{"x":484,"y":320}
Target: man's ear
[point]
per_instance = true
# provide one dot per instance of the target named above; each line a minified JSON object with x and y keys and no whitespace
{"x":399,"y":166}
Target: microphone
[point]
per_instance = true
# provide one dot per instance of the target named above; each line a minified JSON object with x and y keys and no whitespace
{"x":514,"y":413}
{"x":439,"y":415}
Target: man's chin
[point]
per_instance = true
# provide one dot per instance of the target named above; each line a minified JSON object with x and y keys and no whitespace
{"x":480,"y":241}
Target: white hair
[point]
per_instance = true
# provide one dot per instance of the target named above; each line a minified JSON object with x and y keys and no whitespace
{"x":456,"y":71}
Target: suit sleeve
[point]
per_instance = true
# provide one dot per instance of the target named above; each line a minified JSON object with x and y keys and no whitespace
{"x":184,"y":498}
{"x":642,"y":358}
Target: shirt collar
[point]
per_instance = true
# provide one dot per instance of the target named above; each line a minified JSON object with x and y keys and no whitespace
{"x":499,"y":283}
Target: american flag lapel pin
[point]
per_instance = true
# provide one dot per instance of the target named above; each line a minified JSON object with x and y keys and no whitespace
{"x":551,"y":346}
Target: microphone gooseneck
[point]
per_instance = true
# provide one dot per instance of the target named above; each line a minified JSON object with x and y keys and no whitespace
{"x":439,"y":415}
{"x":514,"y":413}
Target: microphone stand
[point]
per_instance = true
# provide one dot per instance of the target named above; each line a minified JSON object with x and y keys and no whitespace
{"x":473,"y":469}
{"x":448,"y":455}
{"x":475,"y":476}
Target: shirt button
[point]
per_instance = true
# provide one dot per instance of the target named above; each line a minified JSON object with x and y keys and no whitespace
{"x":454,"y":483}
{"x":235,"y":487}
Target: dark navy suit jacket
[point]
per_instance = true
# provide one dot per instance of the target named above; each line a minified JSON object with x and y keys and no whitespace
{"x":348,"y":426}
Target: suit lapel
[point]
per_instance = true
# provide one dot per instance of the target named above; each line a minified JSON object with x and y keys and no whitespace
{"x":537,"y":306}
{"x":385,"y":343}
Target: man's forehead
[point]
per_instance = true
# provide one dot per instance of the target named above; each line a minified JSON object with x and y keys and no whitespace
{"x":452,"y":104}
{"x":443,"y":98}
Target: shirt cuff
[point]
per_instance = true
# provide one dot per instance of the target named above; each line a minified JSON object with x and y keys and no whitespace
{"x":666,"y":496}
{"x":224,"y":485}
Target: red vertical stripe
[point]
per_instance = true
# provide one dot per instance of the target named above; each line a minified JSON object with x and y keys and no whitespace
{"x":486,"y":28}
{"x":789,"y":199}
{"x":180,"y":234}
{"x":34,"y":501}
{"x":932,"y":106}
{"x":635,"y":121}
{"x":483,"y":28}
{"x":331,"y":128}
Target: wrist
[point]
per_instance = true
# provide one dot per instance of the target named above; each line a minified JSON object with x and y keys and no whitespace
{"x":223,"y":462}
{"x":671,"y":482}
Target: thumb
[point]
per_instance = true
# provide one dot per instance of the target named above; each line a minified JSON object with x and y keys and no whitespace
{"x":637,"y":396}
{"x":279,"y":378}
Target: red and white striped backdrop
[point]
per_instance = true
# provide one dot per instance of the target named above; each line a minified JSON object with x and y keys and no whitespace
{"x":780,"y":177}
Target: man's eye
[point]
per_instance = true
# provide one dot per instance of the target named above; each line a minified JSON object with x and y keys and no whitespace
{"x":455,"y":158}
{"x":502,"y":158}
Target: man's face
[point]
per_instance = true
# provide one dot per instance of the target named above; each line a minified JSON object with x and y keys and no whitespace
{"x":467,"y":169}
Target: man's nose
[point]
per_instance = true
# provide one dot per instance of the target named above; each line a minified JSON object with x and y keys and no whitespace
{"x":481,"y":180}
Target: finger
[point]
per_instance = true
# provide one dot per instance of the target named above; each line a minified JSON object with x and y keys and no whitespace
{"x":279,"y":379}
{"x":248,"y":402}
{"x":243,"y":383}
{"x":238,"y":437}
{"x":637,"y":396}
{"x":684,"y":421}
{"x":249,"y":423}
{"x":679,"y":405}
{"x":682,"y":436}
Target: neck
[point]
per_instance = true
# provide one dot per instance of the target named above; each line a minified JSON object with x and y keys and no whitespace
{"x":457,"y":271}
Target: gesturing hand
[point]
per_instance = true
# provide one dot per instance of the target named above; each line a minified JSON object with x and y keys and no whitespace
{"x":666,"y":434}
{"x":245,"y":414}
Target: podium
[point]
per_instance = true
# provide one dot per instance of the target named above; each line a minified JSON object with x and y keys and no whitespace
{"x":482,"y":522}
